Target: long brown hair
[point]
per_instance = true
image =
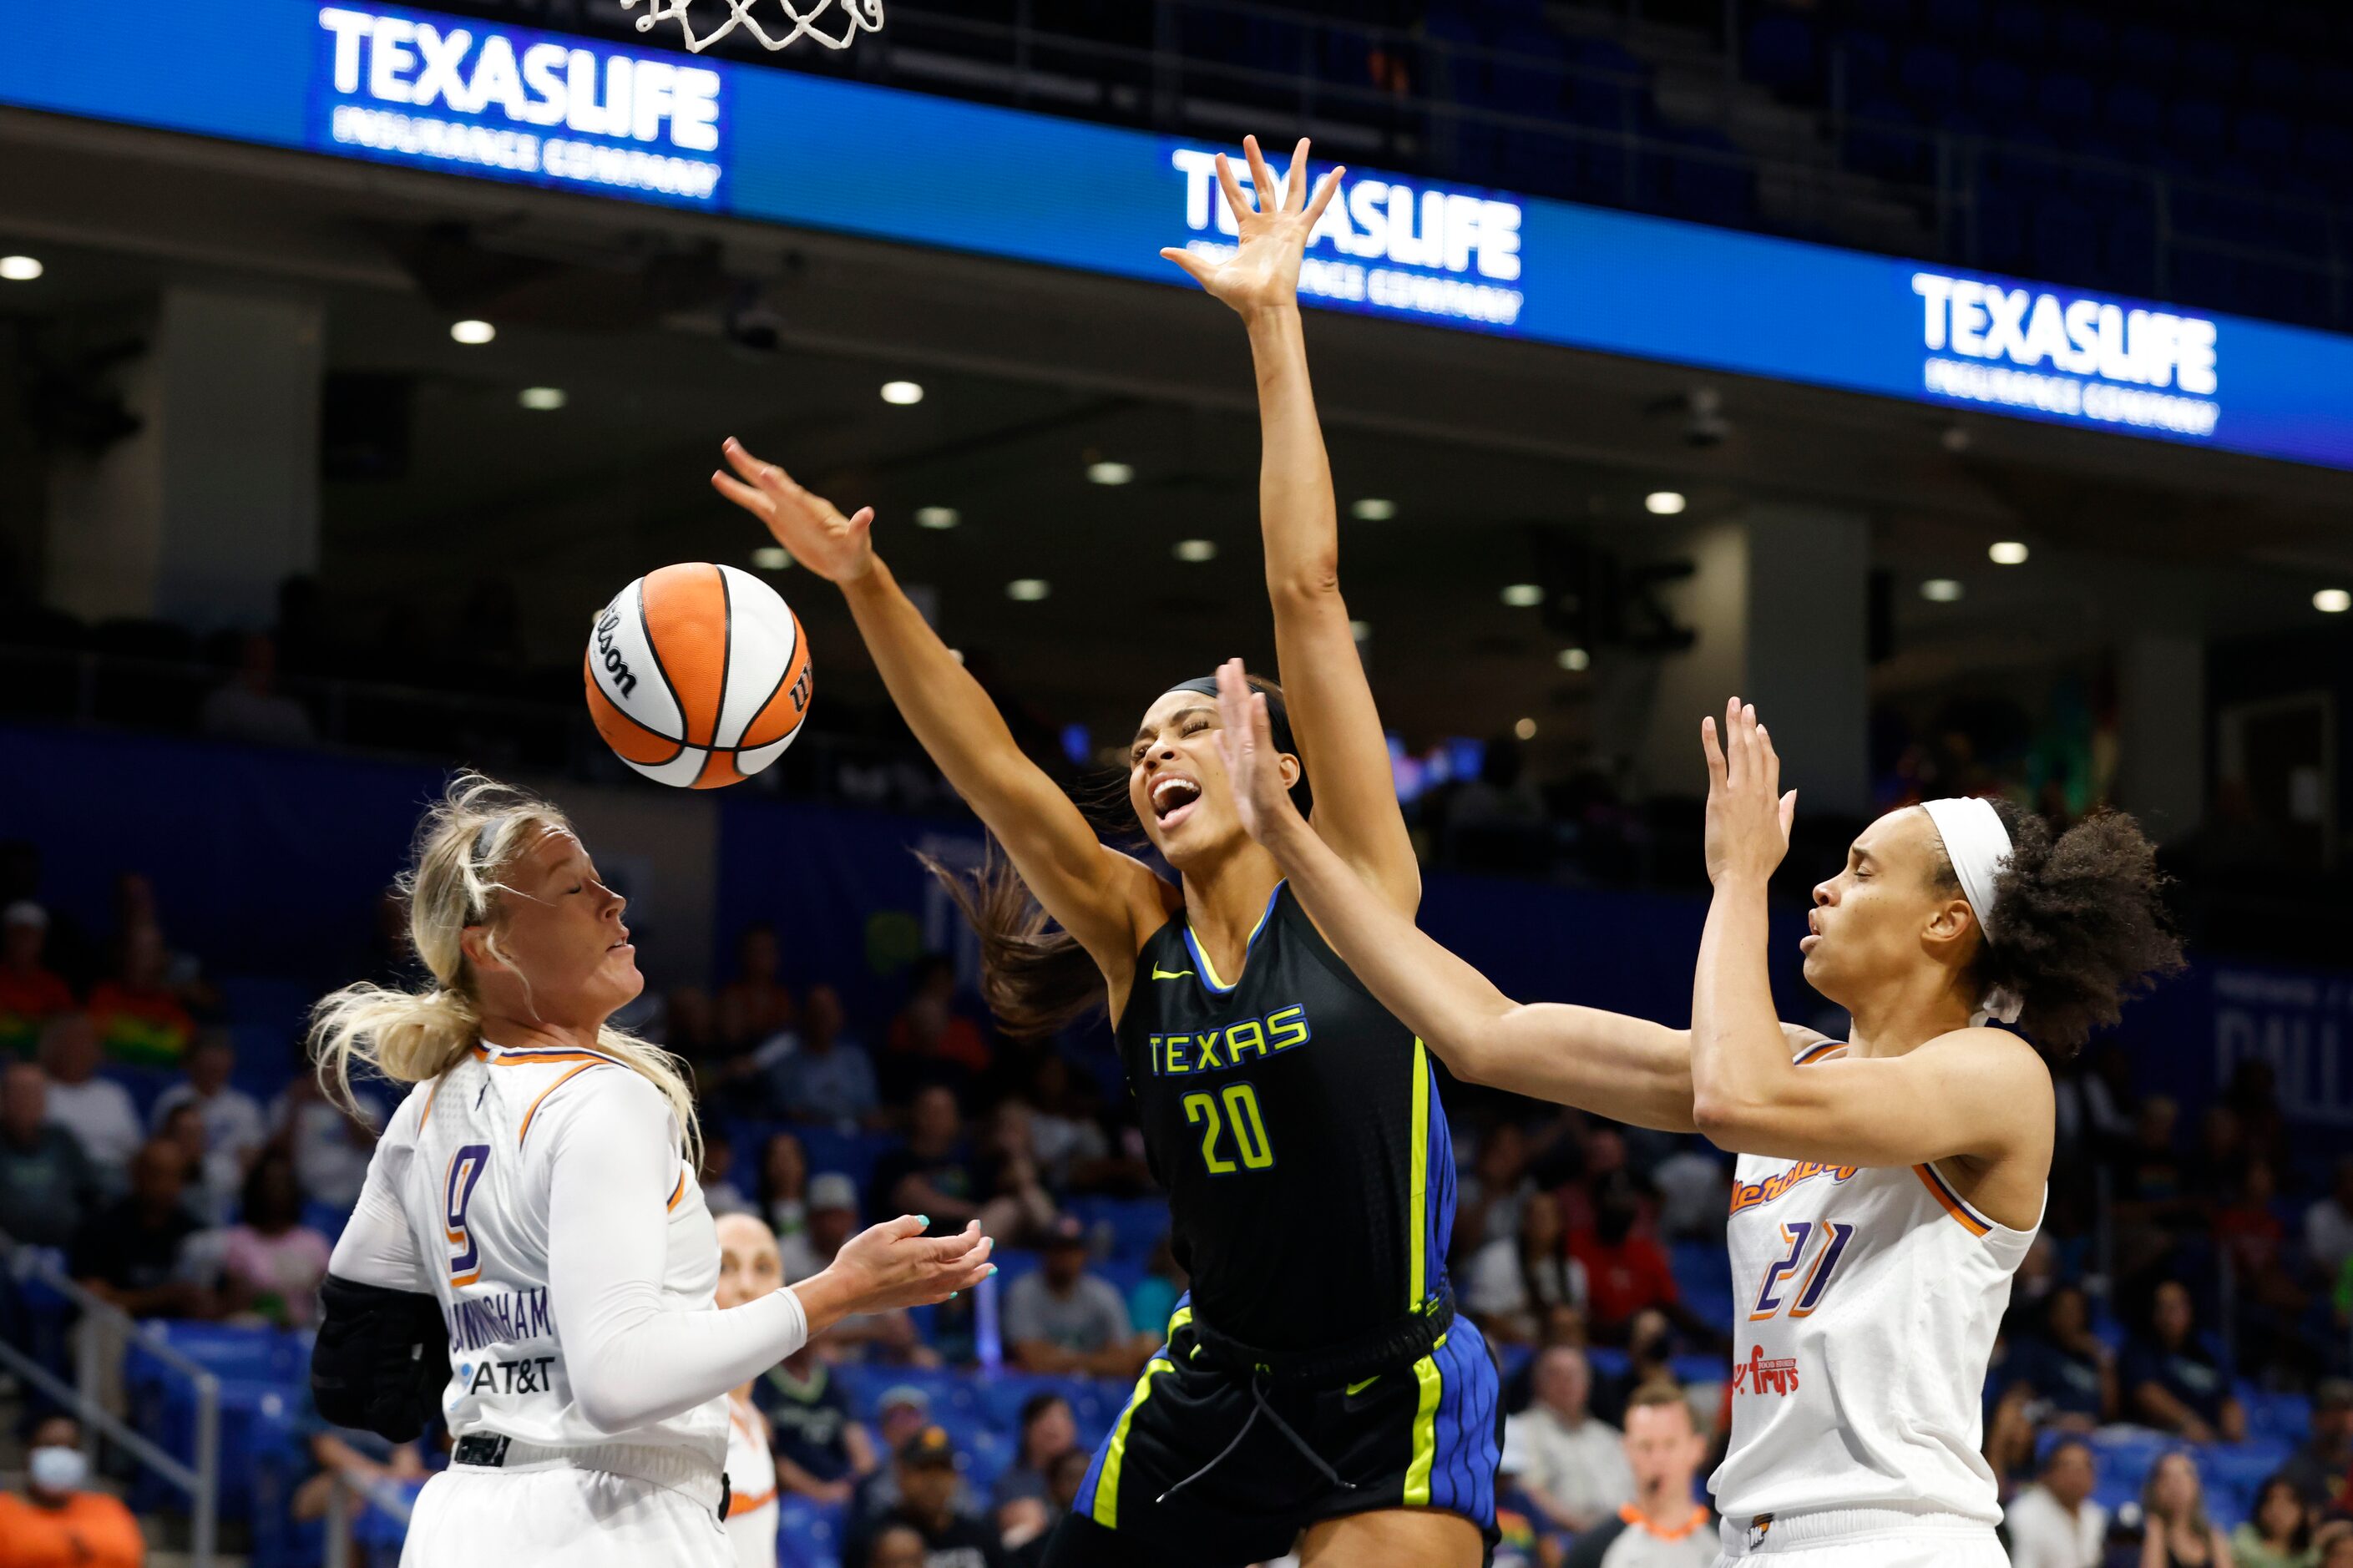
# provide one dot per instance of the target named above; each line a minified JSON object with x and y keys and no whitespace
{"x":1035,"y":978}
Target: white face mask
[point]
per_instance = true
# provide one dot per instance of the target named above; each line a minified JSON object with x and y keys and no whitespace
{"x":58,"y":1469}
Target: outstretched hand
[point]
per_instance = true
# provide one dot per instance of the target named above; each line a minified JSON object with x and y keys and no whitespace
{"x":837,"y":548}
{"x":1749,"y":818}
{"x":1246,"y":741}
{"x":1263,"y":269}
{"x":894,"y":1265}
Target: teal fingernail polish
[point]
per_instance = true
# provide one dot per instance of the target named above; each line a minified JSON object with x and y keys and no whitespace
{"x":954,"y":1294}
{"x":924,"y":1220}
{"x":992,"y":1268}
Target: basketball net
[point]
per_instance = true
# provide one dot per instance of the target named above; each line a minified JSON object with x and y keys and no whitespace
{"x":857,"y":17}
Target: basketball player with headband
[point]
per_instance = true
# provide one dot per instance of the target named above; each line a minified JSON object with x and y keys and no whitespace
{"x":530,"y":1257}
{"x":1887,"y":1185}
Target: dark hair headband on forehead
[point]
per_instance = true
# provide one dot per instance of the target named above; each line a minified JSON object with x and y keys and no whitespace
{"x":1278,"y":723}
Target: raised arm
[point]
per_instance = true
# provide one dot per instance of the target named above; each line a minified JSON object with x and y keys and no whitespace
{"x":1625,"y":1068}
{"x":1976,"y":1092}
{"x":1108,"y":900}
{"x":1337,"y":727}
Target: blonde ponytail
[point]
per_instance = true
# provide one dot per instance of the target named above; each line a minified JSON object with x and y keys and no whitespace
{"x":468,"y":837}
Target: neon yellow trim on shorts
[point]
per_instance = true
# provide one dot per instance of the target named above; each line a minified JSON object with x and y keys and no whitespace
{"x":1425,"y":1429}
{"x":1107,"y":1484}
{"x":1415,"y":1216}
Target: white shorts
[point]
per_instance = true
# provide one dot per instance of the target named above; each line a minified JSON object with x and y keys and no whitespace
{"x":1862,"y":1538}
{"x":466,"y":1517}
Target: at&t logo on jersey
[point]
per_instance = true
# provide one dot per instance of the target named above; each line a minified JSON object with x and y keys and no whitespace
{"x":2074,"y":355}
{"x":1415,"y":250}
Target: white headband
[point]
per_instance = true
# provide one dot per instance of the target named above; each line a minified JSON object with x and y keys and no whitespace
{"x":1978,"y":847}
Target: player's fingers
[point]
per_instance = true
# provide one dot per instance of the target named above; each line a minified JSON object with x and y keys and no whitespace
{"x":739,"y":457}
{"x":1715,"y":753}
{"x":1195,"y":267}
{"x":863,"y":521}
{"x":905,"y":1227}
{"x":1322,"y":197}
{"x":1262,"y":181}
{"x":752,"y":500}
{"x":1736,"y":758}
{"x":1294,"y":179}
{"x":1788,"y":814}
{"x":1772,"y":760}
{"x":1233,"y":189}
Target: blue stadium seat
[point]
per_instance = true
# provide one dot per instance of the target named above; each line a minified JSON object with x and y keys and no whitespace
{"x":1868,"y":62}
{"x":1880,"y":141}
{"x":2196,"y":129}
{"x":2001,"y":228}
{"x":2081,"y":39}
{"x":2021,"y":27}
{"x":2066,"y":240}
{"x":808,"y":1534}
{"x":2128,"y":250}
{"x":1706,"y":185}
{"x":2276,"y":80}
{"x":1998,"y":90}
{"x":2066,"y":103}
{"x":1887,"y":16}
{"x":2148,"y":54}
{"x":1529,"y":75}
{"x":2327,"y":156}
{"x":2331,"y":88}
{"x":2210,"y":66}
{"x":1931,"y":79}
{"x":2266,"y":138}
{"x":1779,"y":52}
{"x":1955,"y":21}
{"x":2133,"y":112}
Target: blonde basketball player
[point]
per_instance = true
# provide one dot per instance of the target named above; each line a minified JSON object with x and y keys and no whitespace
{"x":749,"y":1268}
{"x":1887,"y":1185}
{"x":531,"y":1256}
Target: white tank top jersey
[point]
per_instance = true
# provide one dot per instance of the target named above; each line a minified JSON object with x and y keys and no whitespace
{"x":751,"y":1512}
{"x":467,"y":1158}
{"x":1864,"y":1304}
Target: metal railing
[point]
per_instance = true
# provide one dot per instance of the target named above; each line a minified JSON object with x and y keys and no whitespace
{"x":200,"y":1479}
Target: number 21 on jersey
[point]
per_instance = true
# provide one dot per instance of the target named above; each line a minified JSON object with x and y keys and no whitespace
{"x":1776,"y":1293}
{"x":465,"y":1167}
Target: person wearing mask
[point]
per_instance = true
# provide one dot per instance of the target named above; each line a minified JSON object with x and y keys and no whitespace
{"x":827,"y":1077}
{"x":31,"y":992}
{"x":2277,"y":1532}
{"x":1573,"y":1467}
{"x":1064,"y":1319}
{"x":928,"y":1488}
{"x":98,"y":1111}
{"x":2177,"y":1533}
{"x":272,"y":1263}
{"x":2054,"y":1523}
{"x":56,"y":1522}
{"x":2173,"y":1382}
{"x":1665,"y":1526}
{"x":46,"y":1186}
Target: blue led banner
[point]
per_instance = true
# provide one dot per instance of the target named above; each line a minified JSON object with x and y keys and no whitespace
{"x":486,"y":100}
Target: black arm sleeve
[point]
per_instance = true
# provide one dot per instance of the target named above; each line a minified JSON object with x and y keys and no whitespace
{"x":382,"y":1359}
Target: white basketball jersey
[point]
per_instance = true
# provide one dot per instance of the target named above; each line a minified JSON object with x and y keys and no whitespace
{"x":475,"y":1190}
{"x":1864,"y":1303}
{"x":750,"y":1486}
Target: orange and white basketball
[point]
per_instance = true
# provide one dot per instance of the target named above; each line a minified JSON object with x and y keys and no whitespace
{"x":698,"y":675}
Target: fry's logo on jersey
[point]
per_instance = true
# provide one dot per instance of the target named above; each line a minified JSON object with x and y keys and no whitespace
{"x":1758,"y":1376}
{"x":1214,"y":1050}
{"x":1748,"y":1195}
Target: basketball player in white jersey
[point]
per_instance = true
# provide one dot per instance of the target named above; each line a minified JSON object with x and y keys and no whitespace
{"x":749,"y":1268}
{"x":1888,"y":1184}
{"x":530,"y":1255}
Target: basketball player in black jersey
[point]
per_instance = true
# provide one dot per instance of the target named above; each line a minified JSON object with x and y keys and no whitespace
{"x":1317,"y":1390}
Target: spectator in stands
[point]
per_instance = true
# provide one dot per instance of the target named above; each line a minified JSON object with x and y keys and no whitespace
{"x":2173,"y":1382}
{"x":822,"y":1450}
{"x":250,"y":707}
{"x":1488,"y":1200}
{"x":329,"y":1145}
{"x":272,"y":1264}
{"x":30,"y":992}
{"x":928,"y":1027}
{"x":1511,"y":1284}
{"x":1064,"y":1477}
{"x":809,"y":1229}
{"x":781,"y":1196}
{"x":1627,"y":1272}
{"x":833,"y":1219}
{"x":926,"y":1468}
{"x":2150,"y":1186}
{"x":134,"y":1254}
{"x":140,"y":1018}
{"x":1062,"y":1318}
{"x":2328,"y":1225}
{"x":2220,"y":1155}
{"x":2177,"y":1534}
{"x":901,"y":1412}
{"x":1048,"y":1432}
{"x":898,"y":1546}
{"x":47,"y":1186}
{"x":1152,"y":1300}
{"x":1663,"y":1524}
{"x":2054,"y":1523}
{"x":213,"y":1182}
{"x":57,"y":1522}
{"x":1013,"y":1191}
{"x":233,"y":1122}
{"x":2277,"y":1530}
{"x":2322,"y":1470}
{"x":98,"y":1111}
{"x":1573,"y":1467}
{"x":356,"y":1459}
{"x":1074,"y":1154}
{"x":2332,"y":1544}
{"x":827,"y":1077}
{"x":2065,"y":1363}
{"x":932,"y":1174}
{"x":716,"y":1175}
{"x":755,"y":1006}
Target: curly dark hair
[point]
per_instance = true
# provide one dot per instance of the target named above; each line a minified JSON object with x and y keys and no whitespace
{"x":2083,"y":926}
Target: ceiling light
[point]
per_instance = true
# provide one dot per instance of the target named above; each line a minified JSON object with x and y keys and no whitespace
{"x":1525,"y":728}
{"x":1575,"y":658}
{"x":20,"y":268}
{"x":1940,"y":590}
{"x":1361,"y":630}
{"x":772,"y":558}
{"x":473,"y":334}
{"x":2007,"y":553}
{"x":902,"y":392}
{"x":1197,"y":550}
{"x":1663,"y":503}
{"x":2332,"y":601}
{"x":1110,"y":473}
{"x":1372,"y":508}
{"x":1028,"y":590}
{"x":543,"y":399}
{"x":1522,"y":595}
{"x":937,"y":517}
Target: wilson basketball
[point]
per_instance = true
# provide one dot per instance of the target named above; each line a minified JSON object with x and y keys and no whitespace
{"x":698,"y":675}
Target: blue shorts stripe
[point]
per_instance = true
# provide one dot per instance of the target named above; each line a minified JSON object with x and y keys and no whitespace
{"x":1462,"y":1478}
